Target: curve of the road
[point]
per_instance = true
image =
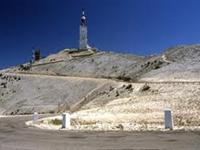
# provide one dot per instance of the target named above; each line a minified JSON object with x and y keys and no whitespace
{"x":98,"y":79}
{"x":15,"y":135}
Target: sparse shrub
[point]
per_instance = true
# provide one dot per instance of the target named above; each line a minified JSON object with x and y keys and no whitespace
{"x":129,"y":87}
{"x":120,"y":126}
{"x":55,"y":122}
{"x":126,"y":79}
{"x":4,"y":85}
{"x":15,"y":78}
{"x":160,"y":62}
{"x":117,"y":94}
{"x":79,"y":121}
{"x":114,"y":67}
{"x":188,"y":121}
{"x":51,"y":111}
{"x":123,"y":86}
{"x":111,"y":88}
{"x":25,"y":67}
{"x":21,"y":67}
{"x":157,"y":66}
{"x":145,"y":87}
{"x":179,"y":121}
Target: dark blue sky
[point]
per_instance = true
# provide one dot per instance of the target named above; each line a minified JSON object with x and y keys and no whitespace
{"x":139,"y":27}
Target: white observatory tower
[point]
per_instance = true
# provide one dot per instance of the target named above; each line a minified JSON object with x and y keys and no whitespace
{"x":83,"y":41}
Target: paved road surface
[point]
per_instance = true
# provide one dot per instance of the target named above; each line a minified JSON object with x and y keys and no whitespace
{"x":197,"y":82}
{"x":14,"y":135}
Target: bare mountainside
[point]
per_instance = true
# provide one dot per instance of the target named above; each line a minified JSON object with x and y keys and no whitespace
{"x":24,"y":94}
{"x":94,"y":64}
{"x":183,"y":65}
{"x":83,"y":82}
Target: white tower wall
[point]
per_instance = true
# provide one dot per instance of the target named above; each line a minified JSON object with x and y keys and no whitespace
{"x":83,"y":39}
{"x":83,"y":43}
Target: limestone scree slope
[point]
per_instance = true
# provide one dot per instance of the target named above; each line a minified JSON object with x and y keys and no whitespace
{"x":130,"y":88}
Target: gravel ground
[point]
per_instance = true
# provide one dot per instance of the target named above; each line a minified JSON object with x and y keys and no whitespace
{"x":14,"y":135}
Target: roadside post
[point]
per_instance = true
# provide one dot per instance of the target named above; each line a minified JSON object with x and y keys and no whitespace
{"x":35,"y":116}
{"x":66,"y":120}
{"x":168,"y":118}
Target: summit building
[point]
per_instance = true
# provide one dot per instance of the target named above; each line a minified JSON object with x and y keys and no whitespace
{"x":83,"y":39}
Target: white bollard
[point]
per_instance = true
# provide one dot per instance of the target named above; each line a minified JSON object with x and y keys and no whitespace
{"x":35,"y":116}
{"x":168,"y":119}
{"x":66,"y":120}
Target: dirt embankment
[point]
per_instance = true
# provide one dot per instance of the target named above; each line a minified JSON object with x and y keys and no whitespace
{"x":137,"y":106}
{"x":24,"y":94}
{"x":144,"y":107}
{"x":103,"y":100}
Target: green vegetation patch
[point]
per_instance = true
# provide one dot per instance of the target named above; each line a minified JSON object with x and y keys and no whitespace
{"x":55,"y":122}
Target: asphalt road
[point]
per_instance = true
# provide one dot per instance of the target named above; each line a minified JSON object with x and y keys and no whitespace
{"x":14,"y":135}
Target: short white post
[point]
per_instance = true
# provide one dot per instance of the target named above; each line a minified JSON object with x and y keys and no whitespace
{"x":168,"y":118}
{"x":66,"y":120}
{"x":35,"y":116}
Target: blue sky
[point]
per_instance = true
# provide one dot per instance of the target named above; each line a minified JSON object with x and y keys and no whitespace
{"x":139,"y":27}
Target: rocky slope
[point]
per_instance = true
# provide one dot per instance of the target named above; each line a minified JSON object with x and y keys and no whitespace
{"x":137,"y":106}
{"x":143,"y":108}
{"x":184,"y":65}
{"x":25,"y":94}
{"x":72,"y":80}
{"x":94,"y":64}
